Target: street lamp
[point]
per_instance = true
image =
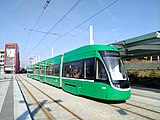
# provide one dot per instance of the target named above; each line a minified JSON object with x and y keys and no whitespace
{"x":30,"y":60}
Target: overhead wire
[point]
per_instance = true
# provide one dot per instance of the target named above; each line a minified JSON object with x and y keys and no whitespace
{"x":39,"y":31}
{"x":80,"y":24}
{"x":55,"y":26}
{"x":129,"y":5}
{"x":118,"y":11}
{"x":44,"y":7}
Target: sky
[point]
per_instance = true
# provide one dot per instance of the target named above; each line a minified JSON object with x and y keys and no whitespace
{"x":122,"y":20}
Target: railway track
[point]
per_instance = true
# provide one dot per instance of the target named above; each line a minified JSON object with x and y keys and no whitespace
{"x":46,"y":111}
{"x":148,"y":112}
{"x":127,"y":107}
{"x":146,"y":96}
{"x":143,"y":108}
{"x":136,"y":112}
{"x":48,"y":115}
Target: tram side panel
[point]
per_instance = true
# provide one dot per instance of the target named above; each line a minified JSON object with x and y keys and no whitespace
{"x":42,"y":71}
{"x":52,"y":71}
{"x":82,"y":72}
{"x":72,"y":73}
{"x":36,"y":72}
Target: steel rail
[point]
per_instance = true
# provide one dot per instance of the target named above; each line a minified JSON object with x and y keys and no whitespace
{"x":109,"y":104}
{"x":45,"y":111}
{"x":131,"y":112}
{"x":74,"y":114}
{"x":143,"y":108}
{"x":146,"y":96}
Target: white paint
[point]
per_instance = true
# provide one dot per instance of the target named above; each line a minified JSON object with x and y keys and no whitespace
{"x":104,"y":88}
{"x":151,"y":58}
{"x":52,"y":52}
{"x":39,"y":59}
{"x":158,"y":34}
{"x":36,"y":59}
{"x":91,"y":35}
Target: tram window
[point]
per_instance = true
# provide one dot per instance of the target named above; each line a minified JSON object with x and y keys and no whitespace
{"x":56,"y":70}
{"x":67,"y":70}
{"x":89,"y":69}
{"x":42,"y":70}
{"x":49,"y":70}
{"x":73,"y":69}
{"x":77,"y":69}
{"x":35,"y":70}
{"x":100,"y":71}
{"x":29,"y":71}
{"x":53,"y":70}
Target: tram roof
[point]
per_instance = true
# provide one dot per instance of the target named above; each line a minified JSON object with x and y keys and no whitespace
{"x":141,"y":46}
{"x":89,"y":48}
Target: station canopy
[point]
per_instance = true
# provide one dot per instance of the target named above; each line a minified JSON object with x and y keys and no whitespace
{"x":141,"y":46}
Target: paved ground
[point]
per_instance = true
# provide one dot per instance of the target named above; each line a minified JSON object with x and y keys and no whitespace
{"x":146,"y":95}
{"x":3,"y":90}
{"x":7,"y":111}
{"x":12,"y":103}
{"x":90,"y":109}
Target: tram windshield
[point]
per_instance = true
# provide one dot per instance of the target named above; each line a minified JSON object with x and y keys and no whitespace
{"x":116,"y":68}
{"x":114,"y":64}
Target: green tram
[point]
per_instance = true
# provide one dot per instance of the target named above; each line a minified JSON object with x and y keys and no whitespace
{"x":96,"y":71}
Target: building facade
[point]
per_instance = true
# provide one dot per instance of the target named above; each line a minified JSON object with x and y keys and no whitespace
{"x":11,"y":58}
{"x":2,"y":61}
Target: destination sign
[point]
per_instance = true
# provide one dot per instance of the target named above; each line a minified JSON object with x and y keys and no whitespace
{"x":109,"y":53}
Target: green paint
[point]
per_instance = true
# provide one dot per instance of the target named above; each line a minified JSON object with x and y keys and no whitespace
{"x":75,"y":86}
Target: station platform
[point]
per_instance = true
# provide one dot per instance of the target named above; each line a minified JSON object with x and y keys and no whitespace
{"x":12,"y":102}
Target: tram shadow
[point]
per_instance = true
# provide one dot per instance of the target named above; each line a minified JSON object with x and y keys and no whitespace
{"x":104,"y":101}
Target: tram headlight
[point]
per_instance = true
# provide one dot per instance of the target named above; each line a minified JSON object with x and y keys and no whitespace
{"x":117,"y":85}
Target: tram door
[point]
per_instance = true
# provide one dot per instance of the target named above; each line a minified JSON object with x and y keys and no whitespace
{"x":95,"y":83}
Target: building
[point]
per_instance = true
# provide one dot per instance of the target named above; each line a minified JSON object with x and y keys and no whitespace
{"x":11,"y":58}
{"x":2,"y":61}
